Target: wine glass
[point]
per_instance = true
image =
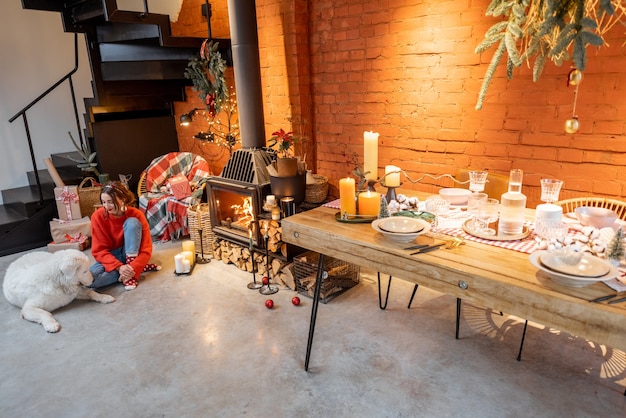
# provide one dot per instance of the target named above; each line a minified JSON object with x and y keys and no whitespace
{"x":488,"y":212}
{"x":477,"y":181}
{"x":473,"y":201}
{"x":437,"y":206}
{"x":550,"y":189}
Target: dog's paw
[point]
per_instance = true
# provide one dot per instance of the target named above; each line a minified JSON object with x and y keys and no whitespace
{"x":106,"y":299}
{"x":51,"y":325}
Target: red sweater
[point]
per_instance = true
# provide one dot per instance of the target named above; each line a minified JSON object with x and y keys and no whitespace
{"x":107,"y":234}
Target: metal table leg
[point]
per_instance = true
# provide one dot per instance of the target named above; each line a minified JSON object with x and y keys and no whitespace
{"x":413,"y":295}
{"x":316,"y":299}
{"x":519,"y":355}
{"x":458,"y":317}
{"x":380,"y":302}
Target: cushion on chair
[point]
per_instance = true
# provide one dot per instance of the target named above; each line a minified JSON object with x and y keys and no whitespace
{"x":167,"y":215}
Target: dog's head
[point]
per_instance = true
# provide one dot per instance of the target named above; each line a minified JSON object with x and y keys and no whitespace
{"x":75,"y":267}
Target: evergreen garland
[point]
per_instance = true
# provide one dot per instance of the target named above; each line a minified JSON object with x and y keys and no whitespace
{"x":544,"y":29}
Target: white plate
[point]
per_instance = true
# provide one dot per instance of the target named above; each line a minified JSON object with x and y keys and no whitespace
{"x":400,"y":225}
{"x":589,"y":265}
{"x":401,"y":237}
{"x":566,"y":279}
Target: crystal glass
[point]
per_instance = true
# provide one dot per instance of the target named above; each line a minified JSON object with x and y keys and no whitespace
{"x":550,"y":189}
{"x":472,"y":207}
{"x":488,"y":212}
{"x":551,"y":230}
{"x":477,"y":180}
{"x":437,"y":206}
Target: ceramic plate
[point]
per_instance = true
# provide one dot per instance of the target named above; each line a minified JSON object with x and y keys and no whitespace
{"x":400,"y":225}
{"x":589,"y":265}
{"x":401,"y":237}
{"x":566,"y":279}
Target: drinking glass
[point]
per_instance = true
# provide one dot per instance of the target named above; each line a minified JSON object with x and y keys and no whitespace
{"x":477,"y":181}
{"x":550,"y":189}
{"x":437,"y":206}
{"x":472,"y":207}
{"x":488,"y":212}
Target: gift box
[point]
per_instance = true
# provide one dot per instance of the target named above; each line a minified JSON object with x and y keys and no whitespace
{"x":180,"y":186}
{"x":81,"y":245}
{"x":67,"y":202}
{"x":60,"y":229}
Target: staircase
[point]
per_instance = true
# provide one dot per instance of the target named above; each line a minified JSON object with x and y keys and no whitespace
{"x":138,"y":72}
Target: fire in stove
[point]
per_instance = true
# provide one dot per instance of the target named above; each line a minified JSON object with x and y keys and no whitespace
{"x":243,"y":214}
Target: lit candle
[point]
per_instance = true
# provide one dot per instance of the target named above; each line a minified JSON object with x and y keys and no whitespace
{"x":189,"y":246}
{"x":346,"y":196}
{"x":251,"y":242}
{"x":270,"y":200}
{"x":178,"y":263}
{"x":393,"y":179}
{"x":369,"y":203}
{"x":370,"y":155}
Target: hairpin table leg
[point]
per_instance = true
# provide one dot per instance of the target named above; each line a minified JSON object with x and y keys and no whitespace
{"x":413,"y":295}
{"x":316,"y":299}
{"x":380,"y":301}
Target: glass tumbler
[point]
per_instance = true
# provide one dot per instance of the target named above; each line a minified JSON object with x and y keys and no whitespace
{"x":477,"y":180}
{"x":550,"y":189}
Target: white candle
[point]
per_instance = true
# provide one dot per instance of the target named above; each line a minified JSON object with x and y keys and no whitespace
{"x":178,"y":263}
{"x":392,"y":180}
{"x":270,"y":200}
{"x":186,"y":266}
{"x":370,"y":155}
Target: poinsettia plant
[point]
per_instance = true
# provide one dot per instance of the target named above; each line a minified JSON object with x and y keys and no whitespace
{"x":283,"y":143}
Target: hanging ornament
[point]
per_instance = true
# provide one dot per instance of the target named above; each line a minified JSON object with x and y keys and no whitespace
{"x":572,"y":125}
{"x":574,"y":77}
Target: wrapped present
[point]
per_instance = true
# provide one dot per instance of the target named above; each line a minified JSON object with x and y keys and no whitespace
{"x":81,"y":245}
{"x":67,"y":202}
{"x":180,"y":186}
{"x":60,"y":229}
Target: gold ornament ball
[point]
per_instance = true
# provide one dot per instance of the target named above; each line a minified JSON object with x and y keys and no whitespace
{"x":575,"y":77}
{"x":572,"y":126}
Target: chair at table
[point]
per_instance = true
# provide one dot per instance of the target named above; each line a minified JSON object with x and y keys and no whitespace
{"x":617,"y":206}
{"x":167,"y":214}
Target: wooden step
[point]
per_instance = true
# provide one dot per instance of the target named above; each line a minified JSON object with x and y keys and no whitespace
{"x":26,"y":200}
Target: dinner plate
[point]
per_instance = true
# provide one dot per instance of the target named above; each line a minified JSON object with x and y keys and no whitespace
{"x":566,"y":279}
{"x":400,"y":225}
{"x":589,"y":265}
{"x":401,"y":237}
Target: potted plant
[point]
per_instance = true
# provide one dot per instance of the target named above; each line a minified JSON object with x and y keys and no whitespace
{"x":87,"y":164}
{"x":283,"y":143}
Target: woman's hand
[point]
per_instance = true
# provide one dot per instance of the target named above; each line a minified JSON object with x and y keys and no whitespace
{"x":126,"y":272}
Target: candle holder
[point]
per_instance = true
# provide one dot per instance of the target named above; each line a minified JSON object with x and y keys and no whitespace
{"x":391,"y":194}
{"x":201,"y":260}
{"x":268,"y":289}
{"x":253,"y":284}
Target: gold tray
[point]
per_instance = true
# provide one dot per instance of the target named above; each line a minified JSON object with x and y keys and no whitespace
{"x":468,"y":230}
{"x":355,"y":219}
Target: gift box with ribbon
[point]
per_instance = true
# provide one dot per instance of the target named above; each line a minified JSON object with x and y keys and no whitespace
{"x":67,"y":202}
{"x":79,"y":242}
{"x":180,"y":186}
{"x":61,"y":229}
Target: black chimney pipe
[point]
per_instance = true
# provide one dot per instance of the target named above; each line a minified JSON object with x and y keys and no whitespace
{"x":247,"y":68}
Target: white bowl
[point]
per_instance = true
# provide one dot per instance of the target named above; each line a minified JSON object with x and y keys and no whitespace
{"x":455,"y":196}
{"x":401,"y":237}
{"x":596,"y":217}
{"x":400,"y":225}
{"x":567,"y":279}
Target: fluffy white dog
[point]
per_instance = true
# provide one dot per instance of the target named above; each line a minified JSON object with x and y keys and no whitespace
{"x":40,"y":282}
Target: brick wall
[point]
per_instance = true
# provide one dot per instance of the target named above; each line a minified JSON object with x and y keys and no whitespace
{"x":338,"y":68}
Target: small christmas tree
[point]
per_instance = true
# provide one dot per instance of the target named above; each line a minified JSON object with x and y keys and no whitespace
{"x":383,"y":212}
{"x":615,"y":250}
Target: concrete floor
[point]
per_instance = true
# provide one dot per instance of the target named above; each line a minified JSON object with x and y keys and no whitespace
{"x":205,"y":345}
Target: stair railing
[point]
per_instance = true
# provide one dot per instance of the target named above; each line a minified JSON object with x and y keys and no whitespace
{"x":22,"y":113}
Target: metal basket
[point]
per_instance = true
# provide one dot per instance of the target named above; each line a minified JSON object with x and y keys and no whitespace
{"x":339,"y":275}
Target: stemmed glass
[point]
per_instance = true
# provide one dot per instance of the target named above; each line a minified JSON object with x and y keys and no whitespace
{"x":488,"y":212}
{"x":550,"y":189}
{"x":437,"y":206}
{"x":477,"y":181}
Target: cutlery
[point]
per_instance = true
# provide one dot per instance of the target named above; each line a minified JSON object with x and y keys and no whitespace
{"x":417,"y":247}
{"x":603,"y":298}
{"x":617,"y":300}
{"x":428,"y":248}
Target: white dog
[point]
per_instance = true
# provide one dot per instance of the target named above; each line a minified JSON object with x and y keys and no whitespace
{"x":40,"y":282}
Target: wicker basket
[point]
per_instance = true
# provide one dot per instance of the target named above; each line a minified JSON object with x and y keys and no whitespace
{"x":339,"y":275}
{"x":316,"y":192}
{"x":89,"y":196}
{"x":199,"y":222}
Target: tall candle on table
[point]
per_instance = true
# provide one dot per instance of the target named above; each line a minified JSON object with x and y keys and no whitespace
{"x":347,"y":203}
{"x":392,"y":176}
{"x":369,"y":203}
{"x":370,"y":155}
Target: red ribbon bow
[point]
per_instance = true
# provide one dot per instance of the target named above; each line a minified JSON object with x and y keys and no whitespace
{"x":80,"y":238}
{"x":67,"y":198}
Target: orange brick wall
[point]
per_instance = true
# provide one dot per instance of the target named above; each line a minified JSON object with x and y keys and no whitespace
{"x":338,"y":68}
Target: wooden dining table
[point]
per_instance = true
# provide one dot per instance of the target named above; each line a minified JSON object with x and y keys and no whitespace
{"x":481,"y":274}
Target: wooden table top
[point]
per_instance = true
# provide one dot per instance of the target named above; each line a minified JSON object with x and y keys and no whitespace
{"x":497,"y":278}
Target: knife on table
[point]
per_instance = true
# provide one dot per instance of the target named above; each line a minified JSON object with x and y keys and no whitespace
{"x":428,"y":249}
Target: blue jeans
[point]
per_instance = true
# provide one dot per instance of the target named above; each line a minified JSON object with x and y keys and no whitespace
{"x":132,"y":241}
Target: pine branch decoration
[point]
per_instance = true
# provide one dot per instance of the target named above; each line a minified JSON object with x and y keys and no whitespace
{"x":207,"y":74}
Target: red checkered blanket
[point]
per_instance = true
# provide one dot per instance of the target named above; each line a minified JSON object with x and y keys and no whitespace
{"x":166,"y":215}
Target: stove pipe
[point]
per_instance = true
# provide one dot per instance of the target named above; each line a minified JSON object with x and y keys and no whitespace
{"x":247,"y":69}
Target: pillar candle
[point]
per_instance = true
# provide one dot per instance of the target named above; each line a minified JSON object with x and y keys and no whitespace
{"x":270,"y":200}
{"x":186,"y":266}
{"x":188,"y":255}
{"x":178,"y":263}
{"x":347,"y":192}
{"x":189,"y":246}
{"x":370,"y":155}
{"x":392,"y":180}
{"x":369,"y":203}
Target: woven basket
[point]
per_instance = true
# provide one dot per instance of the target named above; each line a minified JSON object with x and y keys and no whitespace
{"x":89,"y":196}
{"x":199,"y":221}
{"x":316,"y":192}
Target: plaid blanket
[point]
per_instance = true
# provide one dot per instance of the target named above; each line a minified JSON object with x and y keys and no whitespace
{"x":166,"y":215}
